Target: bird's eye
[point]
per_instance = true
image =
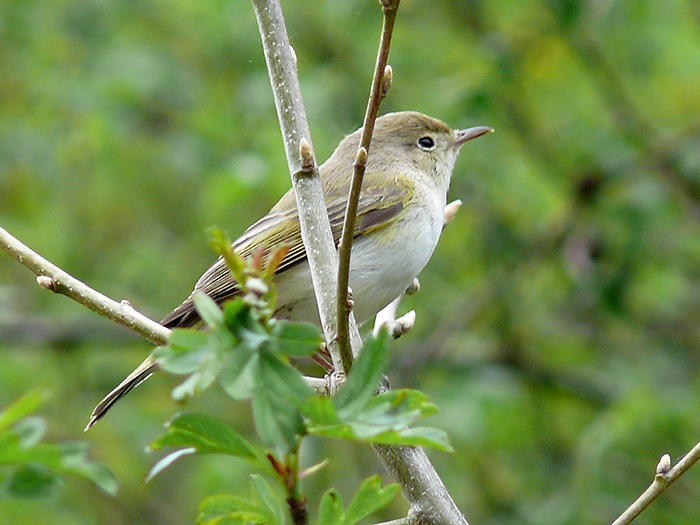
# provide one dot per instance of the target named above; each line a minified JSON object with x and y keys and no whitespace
{"x":426,"y":143}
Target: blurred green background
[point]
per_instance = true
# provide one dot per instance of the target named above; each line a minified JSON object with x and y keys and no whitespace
{"x":558,"y":322}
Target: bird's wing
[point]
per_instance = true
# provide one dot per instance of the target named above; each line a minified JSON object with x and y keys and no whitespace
{"x":379,"y":206}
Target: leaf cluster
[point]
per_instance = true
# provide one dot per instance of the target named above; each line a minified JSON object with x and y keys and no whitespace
{"x":30,"y":467}
{"x":249,"y":353}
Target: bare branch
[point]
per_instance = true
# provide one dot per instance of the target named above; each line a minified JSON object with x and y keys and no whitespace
{"x":380,"y":85}
{"x":315,"y":228}
{"x":421,"y":486}
{"x":662,"y":479}
{"x":51,"y":277}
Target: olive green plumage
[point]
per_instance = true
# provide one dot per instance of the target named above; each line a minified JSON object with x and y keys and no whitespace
{"x":399,"y":220}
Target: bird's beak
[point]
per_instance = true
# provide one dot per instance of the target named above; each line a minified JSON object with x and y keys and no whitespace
{"x":463,"y":135}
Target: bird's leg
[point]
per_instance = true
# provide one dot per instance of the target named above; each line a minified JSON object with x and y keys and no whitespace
{"x":322,"y":358}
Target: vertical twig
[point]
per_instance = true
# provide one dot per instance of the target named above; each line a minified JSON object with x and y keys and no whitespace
{"x":315,"y":228}
{"x":380,"y":85}
{"x":424,"y":491}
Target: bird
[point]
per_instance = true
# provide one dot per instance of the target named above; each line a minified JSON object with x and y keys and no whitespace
{"x":398,"y":225}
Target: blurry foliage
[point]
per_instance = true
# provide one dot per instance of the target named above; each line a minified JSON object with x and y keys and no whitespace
{"x":557,"y":324}
{"x":33,"y":468}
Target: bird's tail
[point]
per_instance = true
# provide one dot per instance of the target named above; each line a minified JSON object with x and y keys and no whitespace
{"x":134,"y":379}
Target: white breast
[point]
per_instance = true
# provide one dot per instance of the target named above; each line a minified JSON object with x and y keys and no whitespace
{"x":383,"y":264}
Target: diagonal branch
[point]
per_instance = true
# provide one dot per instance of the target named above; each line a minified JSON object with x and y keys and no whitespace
{"x":52,"y":278}
{"x":380,"y":85}
{"x":662,"y":479}
{"x":315,"y":227}
{"x":421,"y":485}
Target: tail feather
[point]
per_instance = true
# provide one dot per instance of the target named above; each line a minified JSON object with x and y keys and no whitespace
{"x":134,"y":379}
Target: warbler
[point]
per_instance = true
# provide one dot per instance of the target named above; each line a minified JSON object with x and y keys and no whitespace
{"x":399,"y":221}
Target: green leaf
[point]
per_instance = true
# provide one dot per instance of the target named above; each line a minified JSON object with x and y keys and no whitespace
{"x":226,"y":509}
{"x":278,"y":394}
{"x":320,"y":410}
{"x":365,"y":375}
{"x":168,"y":460}
{"x":237,"y":373}
{"x":31,"y":481}
{"x":221,"y":244}
{"x":296,"y":339}
{"x":330,"y":511}
{"x":179,"y":363}
{"x":238,"y":317}
{"x":266,"y":496}
{"x":430,"y":437}
{"x":100,"y":475}
{"x":208,"y":310}
{"x":74,"y":456}
{"x":187,"y":339}
{"x":406,"y":398}
{"x":370,"y":498}
{"x":25,"y":405}
{"x":206,"y":434}
{"x":382,"y":420}
{"x":30,"y":431}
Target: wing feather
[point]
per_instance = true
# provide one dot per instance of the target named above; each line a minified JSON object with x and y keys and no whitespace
{"x":378,"y":207}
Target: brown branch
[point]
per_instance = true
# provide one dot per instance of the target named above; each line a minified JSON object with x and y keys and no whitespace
{"x":662,"y":480}
{"x":380,"y":85}
{"x":52,"y":278}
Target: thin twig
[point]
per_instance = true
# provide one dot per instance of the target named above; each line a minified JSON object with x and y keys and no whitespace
{"x":315,"y":228}
{"x":52,"y":278}
{"x":662,"y":479}
{"x":380,"y":85}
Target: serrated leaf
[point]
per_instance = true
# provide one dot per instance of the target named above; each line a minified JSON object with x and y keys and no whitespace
{"x":21,"y":408}
{"x":365,"y":375}
{"x":370,"y":498}
{"x":330,"y":511}
{"x":296,"y":339}
{"x":205,"y":434}
{"x":168,"y":460}
{"x":237,"y":373}
{"x":266,"y":496}
{"x":208,"y":310}
{"x":229,"y":509}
